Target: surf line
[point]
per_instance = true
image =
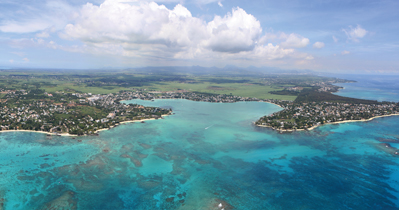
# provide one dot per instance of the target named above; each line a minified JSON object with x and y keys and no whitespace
{"x":208,"y":127}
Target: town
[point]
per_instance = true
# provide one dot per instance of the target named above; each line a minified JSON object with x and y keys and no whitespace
{"x":85,"y":113}
{"x":72,"y":113}
{"x":306,"y":116}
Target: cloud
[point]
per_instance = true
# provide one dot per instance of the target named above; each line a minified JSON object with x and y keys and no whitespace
{"x":26,"y":59}
{"x":35,"y":17}
{"x":11,"y":61}
{"x":345,"y":52}
{"x":233,"y":33}
{"x":335,"y":39}
{"x":318,"y":45}
{"x":309,"y":57}
{"x":153,"y":24}
{"x":147,"y":29}
{"x":23,"y":27}
{"x":146,"y":23}
{"x":294,"y":40}
{"x":355,"y":34}
{"x":43,"y":34}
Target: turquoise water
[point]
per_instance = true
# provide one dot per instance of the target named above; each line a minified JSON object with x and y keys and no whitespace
{"x":203,"y":155}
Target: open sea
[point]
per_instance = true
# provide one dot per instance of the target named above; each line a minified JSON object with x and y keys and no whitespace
{"x":373,"y":87}
{"x":208,"y":156}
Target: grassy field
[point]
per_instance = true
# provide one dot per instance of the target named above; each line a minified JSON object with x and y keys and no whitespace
{"x":71,"y":87}
{"x":104,"y":84}
{"x":238,"y":89}
{"x":57,"y":85}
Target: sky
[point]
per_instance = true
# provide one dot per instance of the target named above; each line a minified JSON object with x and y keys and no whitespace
{"x":353,"y":36}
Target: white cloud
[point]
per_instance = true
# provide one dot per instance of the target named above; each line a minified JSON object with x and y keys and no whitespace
{"x":345,"y":52}
{"x":318,"y":45}
{"x":355,"y":33}
{"x":309,"y":57}
{"x":144,"y":29}
{"x":35,"y":17}
{"x":23,"y":27}
{"x":149,"y":29}
{"x":294,"y":40}
{"x":43,"y":34}
{"x":11,"y":61}
{"x":233,"y":33}
{"x":335,"y":39}
{"x":146,"y":23}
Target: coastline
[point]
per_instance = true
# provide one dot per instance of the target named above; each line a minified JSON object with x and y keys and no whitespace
{"x":73,"y":135}
{"x":130,"y":121}
{"x":273,"y":104}
{"x":43,"y":132}
{"x":339,"y":122}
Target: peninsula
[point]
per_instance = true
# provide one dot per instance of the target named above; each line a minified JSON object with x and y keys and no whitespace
{"x":307,"y":116}
{"x":69,"y":113}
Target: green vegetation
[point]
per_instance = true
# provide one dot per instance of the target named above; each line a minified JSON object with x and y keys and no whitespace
{"x":262,"y":86}
{"x":311,"y":95}
{"x":82,"y":102}
{"x":73,"y":113}
{"x":237,"y":89}
{"x":307,"y":115}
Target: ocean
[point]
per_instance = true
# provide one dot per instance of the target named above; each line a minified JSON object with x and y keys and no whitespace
{"x":372,"y":87}
{"x":205,"y":156}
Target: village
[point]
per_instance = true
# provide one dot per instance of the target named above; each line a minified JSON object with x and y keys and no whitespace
{"x":306,"y":116}
{"x":71,"y":113}
{"x":86,"y":113}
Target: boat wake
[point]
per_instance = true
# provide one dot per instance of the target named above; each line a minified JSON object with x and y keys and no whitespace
{"x":208,"y":127}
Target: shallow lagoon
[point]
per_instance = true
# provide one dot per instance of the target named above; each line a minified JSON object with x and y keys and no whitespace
{"x":205,"y":154}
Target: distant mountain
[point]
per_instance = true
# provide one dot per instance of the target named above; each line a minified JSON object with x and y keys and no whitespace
{"x":227,"y":70}
{"x":163,"y":70}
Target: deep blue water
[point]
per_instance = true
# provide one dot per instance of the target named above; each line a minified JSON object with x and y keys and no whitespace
{"x":205,"y":154}
{"x":373,"y":87}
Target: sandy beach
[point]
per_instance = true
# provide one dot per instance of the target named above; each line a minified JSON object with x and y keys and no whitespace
{"x":132,"y":121}
{"x":273,"y":104}
{"x":43,"y":132}
{"x":67,"y":134}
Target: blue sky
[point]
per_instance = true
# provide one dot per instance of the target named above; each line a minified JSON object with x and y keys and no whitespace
{"x":321,"y":35}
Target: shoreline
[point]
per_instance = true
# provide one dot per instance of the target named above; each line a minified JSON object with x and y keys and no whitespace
{"x":330,"y":123}
{"x":43,"y":132}
{"x":130,"y":121}
{"x":260,"y":100}
{"x":73,"y":135}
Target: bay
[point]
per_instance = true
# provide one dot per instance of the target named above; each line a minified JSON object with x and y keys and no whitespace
{"x":203,"y":155}
{"x":371,"y":87}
